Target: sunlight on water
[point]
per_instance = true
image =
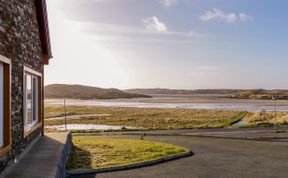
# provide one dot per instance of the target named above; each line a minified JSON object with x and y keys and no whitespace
{"x":88,"y":127}
{"x":245,"y":106}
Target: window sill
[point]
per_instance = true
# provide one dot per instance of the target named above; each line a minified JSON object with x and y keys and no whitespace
{"x":4,"y":150}
{"x":35,"y":127}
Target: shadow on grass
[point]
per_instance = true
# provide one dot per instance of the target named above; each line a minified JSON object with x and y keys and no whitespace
{"x":79,"y":159}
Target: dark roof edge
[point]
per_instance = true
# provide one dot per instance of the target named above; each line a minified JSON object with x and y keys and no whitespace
{"x":42,"y":18}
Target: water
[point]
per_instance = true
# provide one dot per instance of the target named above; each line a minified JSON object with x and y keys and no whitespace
{"x":88,"y":127}
{"x":243,"y":106}
{"x":240,"y":123}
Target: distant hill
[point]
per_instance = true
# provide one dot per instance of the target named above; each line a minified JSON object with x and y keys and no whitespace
{"x":261,"y":94}
{"x":87,"y":92}
{"x":150,"y":91}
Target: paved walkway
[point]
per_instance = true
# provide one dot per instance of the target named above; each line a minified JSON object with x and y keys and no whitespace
{"x":214,"y":158}
{"x":43,"y":158}
{"x":234,"y":133}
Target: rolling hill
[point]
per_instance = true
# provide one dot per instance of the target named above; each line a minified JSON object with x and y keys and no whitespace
{"x":261,"y":94}
{"x":150,"y":91}
{"x":87,"y":92}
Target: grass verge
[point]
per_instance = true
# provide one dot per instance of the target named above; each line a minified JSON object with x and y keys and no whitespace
{"x":95,"y":152}
{"x":235,"y":119}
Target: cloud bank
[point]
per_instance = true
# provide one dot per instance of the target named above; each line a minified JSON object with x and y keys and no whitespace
{"x":218,"y":15}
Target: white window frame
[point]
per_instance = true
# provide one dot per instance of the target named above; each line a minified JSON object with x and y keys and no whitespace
{"x":36,"y":107}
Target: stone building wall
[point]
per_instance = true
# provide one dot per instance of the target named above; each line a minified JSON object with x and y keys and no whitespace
{"x":20,"y":42}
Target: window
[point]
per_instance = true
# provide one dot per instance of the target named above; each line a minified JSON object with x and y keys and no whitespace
{"x":4,"y":105}
{"x":32,"y":100}
{"x":1,"y":105}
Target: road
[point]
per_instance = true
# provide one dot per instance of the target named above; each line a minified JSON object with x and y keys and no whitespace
{"x":214,"y":157}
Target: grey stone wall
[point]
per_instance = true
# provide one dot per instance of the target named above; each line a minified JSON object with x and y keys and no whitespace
{"x":20,"y":42}
{"x":61,"y":169}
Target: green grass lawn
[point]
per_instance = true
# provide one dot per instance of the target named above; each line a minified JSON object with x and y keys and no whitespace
{"x":95,"y":152}
{"x":149,"y":118}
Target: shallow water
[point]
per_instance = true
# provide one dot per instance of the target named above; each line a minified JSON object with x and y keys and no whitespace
{"x":245,"y":106}
{"x":87,"y":127}
{"x":240,"y":123}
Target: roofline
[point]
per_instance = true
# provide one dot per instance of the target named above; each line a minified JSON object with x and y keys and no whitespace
{"x":42,"y":18}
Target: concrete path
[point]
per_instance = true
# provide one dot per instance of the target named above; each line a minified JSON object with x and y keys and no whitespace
{"x":185,"y":131}
{"x":213,"y":158}
{"x":234,"y":133}
{"x":43,"y":158}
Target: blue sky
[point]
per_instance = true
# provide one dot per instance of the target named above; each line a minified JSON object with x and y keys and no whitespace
{"x":188,"y":44}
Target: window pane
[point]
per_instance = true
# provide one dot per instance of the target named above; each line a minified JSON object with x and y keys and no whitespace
{"x":28,"y":100}
{"x":1,"y":105}
{"x":35,"y":100}
{"x":31,"y":85}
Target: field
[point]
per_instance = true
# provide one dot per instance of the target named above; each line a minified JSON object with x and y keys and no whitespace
{"x":147,"y":118}
{"x":95,"y":152}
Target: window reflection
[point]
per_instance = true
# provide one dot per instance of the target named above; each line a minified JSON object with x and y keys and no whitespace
{"x":1,"y":104}
{"x":28,"y":100}
{"x":31,"y":101}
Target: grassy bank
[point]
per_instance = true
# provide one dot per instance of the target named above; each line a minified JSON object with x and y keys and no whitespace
{"x":96,"y":152}
{"x":148,"y":118}
{"x":258,"y":119}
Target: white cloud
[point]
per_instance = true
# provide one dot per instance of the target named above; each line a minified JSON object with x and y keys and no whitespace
{"x":217,"y":14}
{"x":167,"y":3}
{"x":154,"y":24}
{"x":244,"y":17}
